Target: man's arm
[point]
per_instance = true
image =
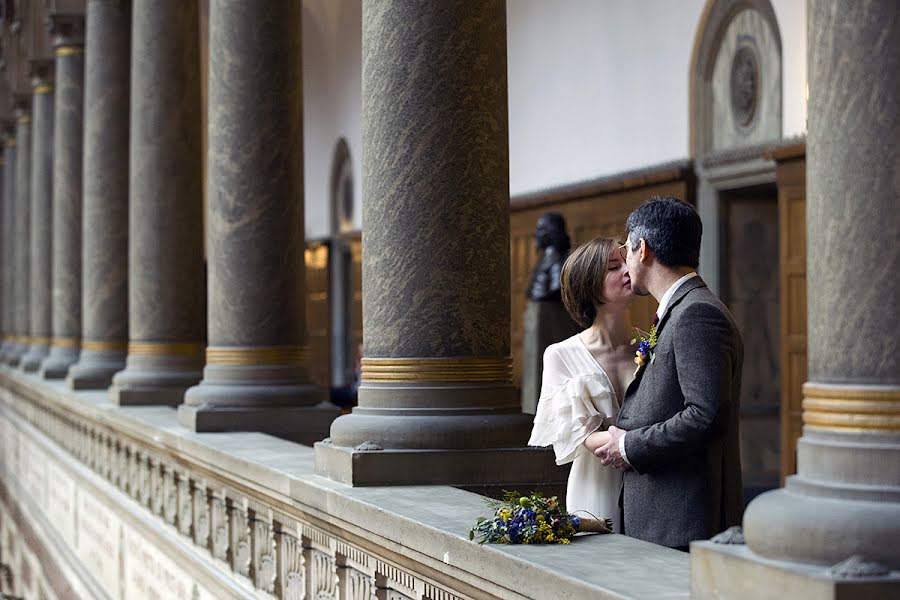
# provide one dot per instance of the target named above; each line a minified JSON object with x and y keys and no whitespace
{"x":704,"y":354}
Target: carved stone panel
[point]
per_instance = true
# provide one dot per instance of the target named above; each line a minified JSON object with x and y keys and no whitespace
{"x":293,"y":568}
{"x":356,"y":585}
{"x":240,"y":541}
{"x":322,"y":583}
{"x":264,"y":556}
{"x":185,"y":506}
{"x":220,"y":540}
{"x":201,"y":517}
{"x":170,"y":496}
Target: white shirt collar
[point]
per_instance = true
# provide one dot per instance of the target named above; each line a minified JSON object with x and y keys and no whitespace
{"x":667,"y":297}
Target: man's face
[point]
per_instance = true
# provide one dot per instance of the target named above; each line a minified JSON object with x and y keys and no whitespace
{"x":636,"y":270}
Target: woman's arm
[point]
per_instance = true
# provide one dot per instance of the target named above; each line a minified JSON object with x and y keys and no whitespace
{"x":598,"y":439}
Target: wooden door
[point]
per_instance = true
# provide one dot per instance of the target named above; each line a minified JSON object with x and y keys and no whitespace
{"x":791,"y":178}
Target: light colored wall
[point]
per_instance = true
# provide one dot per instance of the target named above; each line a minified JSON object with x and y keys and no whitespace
{"x":601,"y":86}
{"x":332,"y":103}
{"x":595,"y":87}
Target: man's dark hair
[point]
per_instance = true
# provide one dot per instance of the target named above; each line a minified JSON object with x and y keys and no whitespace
{"x":670,"y":227}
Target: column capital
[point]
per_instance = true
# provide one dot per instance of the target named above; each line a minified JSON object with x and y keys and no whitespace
{"x":67,"y":30}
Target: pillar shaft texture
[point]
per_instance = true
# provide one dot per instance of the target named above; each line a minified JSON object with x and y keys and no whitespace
{"x":67,"y":170}
{"x":22,"y":235}
{"x":844,"y":499}
{"x":8,"y":232}
{"x":436,"y":372}
{"x":41,"y":219}
{"x":257,"y":329}
{"x":104,"y":232}
{"x":166,"y":279}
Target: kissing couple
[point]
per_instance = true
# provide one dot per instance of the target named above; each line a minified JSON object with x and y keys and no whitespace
{"x":655,"y":448}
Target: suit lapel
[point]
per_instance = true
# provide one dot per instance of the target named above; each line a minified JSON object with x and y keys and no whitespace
{"x":688,"y":286}
{"x":691,"y":284}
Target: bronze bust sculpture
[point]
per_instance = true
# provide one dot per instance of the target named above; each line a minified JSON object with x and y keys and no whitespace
{"x":553,"y":244}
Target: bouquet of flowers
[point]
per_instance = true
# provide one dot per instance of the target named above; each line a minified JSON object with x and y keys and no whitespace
{"x":532,"y":519}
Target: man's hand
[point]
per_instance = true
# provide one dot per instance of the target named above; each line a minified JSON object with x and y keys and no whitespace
{"x":609,"y":453}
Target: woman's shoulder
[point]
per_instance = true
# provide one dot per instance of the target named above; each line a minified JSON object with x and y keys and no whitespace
{"x":563,"y":347}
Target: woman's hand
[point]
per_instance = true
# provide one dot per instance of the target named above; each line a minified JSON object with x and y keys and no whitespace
{"x":598,"y":439}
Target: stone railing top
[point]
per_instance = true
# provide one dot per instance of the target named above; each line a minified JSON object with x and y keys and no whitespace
{"x":427,"y":525}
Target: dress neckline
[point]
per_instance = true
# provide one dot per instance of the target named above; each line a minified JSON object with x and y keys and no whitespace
{"x":612,"y":388}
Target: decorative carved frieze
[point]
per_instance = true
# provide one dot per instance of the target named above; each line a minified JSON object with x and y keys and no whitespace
{"x":282,"y":555}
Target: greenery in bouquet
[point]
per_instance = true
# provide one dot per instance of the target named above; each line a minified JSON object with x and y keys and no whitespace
{"x":533,"y":519}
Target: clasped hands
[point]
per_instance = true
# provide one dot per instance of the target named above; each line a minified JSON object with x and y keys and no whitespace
{"x":605,"y":446}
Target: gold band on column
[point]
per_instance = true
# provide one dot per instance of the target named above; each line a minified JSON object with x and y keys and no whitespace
{"x":43,"y":88}
{"x":104,"y":346}
{"x":68,"y":51}
{"x":40,"y":340}
{"x":851,"y":409}
{"x":256,"y":355}
{"x":165,"y":348}
{"x":24,"y":120}
{"x":65,"y":342}
{"x":455,"y":369}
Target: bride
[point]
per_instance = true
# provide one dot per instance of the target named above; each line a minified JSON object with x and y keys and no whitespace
{"x":586,"y":376}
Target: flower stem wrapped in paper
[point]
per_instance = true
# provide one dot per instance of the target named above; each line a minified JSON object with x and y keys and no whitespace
{"x":533,"y":519}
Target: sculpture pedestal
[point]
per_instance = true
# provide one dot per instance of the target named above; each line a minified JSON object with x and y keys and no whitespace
{"x":720,"y":571}
{"x":545,"y":323}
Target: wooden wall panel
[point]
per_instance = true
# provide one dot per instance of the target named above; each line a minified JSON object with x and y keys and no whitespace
{"x":590,"y":211}
{"x":791,"y":178}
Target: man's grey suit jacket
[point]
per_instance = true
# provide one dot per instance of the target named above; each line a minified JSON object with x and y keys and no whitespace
{"x":682,"y":417}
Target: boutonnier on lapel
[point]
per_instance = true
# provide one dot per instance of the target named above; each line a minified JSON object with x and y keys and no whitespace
{"x":644,"y":352}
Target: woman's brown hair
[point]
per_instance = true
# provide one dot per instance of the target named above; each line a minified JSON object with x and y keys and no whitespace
{"x":582,"y":279}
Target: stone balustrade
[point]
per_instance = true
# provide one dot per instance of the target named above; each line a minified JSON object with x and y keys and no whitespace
{"x":134,"y":506}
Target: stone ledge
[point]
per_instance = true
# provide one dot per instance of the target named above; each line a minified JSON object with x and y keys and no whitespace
{"x":720,"y":572}
{"x":422,"y":529}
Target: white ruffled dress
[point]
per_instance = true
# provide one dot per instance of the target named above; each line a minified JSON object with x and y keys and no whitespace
{"x":577,"y":399}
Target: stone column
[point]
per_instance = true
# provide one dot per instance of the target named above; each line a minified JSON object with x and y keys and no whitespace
{"x":255,"y":376}
{"x":436,"y":404}
{"x":845,"y":499}
{"x":166,"y":279}
{"x":104,"y":226}
{"x":41,"y":214}
{"x":8,"y":248}
{"x":21,"y":288}
{"x":68,"y":113}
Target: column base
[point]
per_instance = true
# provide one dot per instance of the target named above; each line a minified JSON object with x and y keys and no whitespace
{"x":95,"y":369}
{"x":31,"y":361}
{"x":155,"y":380}
{"x":522,"y":469}
{"x":302,"y":424}
{"x":721,"y":571}
{"x":58,"y":362}
{"x":801,"y":523}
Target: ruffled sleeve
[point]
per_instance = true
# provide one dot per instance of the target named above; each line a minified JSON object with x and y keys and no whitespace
{"x":566,"y":412}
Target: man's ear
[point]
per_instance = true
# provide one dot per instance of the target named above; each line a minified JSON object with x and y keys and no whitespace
{"x":644,"y":251}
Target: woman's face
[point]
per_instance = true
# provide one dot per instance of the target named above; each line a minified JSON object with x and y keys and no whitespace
{"x":616,"y":282}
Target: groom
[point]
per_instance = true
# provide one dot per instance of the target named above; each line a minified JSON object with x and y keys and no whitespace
{"x":677,"y":435}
